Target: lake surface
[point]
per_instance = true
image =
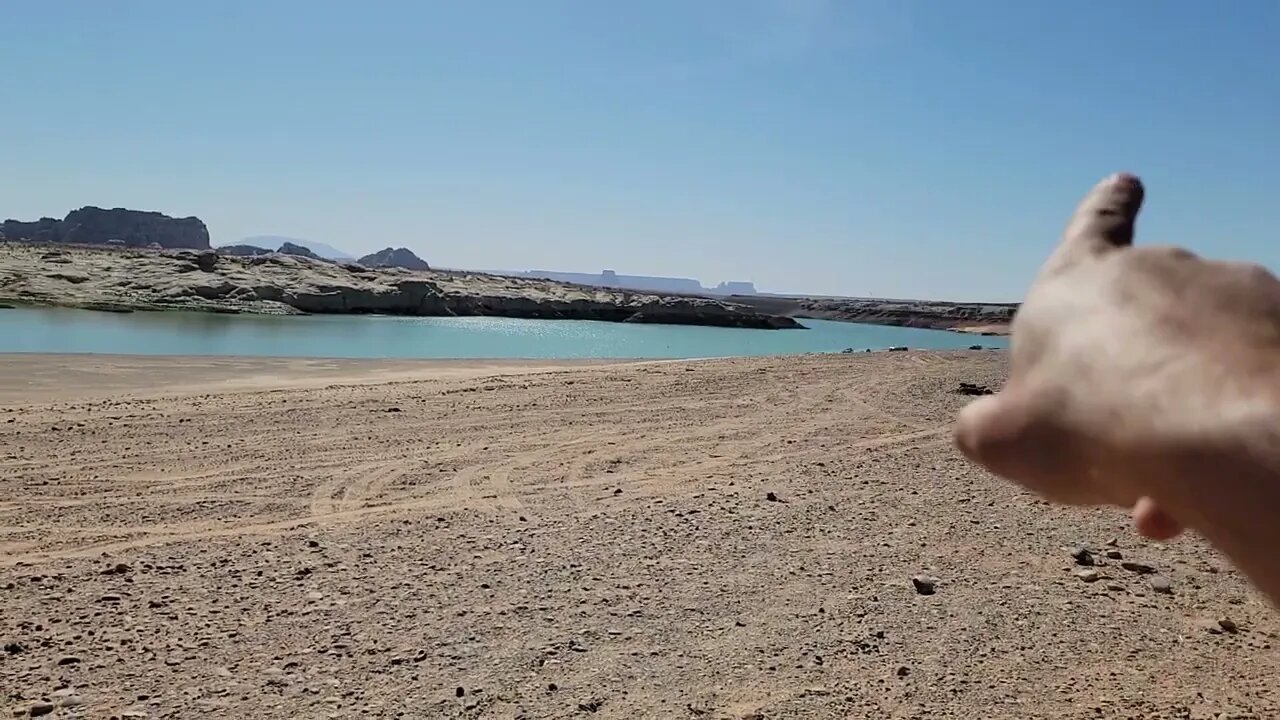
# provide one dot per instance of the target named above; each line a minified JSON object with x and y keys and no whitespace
{"x":56,"y":330}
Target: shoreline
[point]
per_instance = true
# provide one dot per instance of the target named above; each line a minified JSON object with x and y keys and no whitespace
{"x":30,"y":376}
{"x":984,"y":328}
{"x":974,"y":318}
{"x":34,"y":329}
{"x":93,"y":278}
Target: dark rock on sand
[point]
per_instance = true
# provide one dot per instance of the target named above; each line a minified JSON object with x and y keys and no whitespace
{"x":924,"y":584}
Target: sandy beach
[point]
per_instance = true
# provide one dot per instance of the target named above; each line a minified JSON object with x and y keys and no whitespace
{"x":197,"y":537}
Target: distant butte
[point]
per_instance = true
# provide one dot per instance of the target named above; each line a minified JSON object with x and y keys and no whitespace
{"x":118,"y":226}
{"x":647,"y":283}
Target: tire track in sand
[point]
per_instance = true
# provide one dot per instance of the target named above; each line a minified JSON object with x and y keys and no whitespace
{"x":268,"y":529}
{"x":489,"y":488}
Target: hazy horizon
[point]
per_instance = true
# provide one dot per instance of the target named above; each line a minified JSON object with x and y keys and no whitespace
{"x":868,"y":147}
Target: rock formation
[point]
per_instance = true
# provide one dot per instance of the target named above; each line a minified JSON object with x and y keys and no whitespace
{"x":118,"y":226}
{"x":284,"y":283}
{"x":971,"y":317}
{"x":243,"y":250}
{"x":289,"y":248}
{"x":394,"y":257}
{"x":986,"y":318}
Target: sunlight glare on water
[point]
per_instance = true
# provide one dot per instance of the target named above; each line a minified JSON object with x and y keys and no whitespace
{"x":55,"y":330}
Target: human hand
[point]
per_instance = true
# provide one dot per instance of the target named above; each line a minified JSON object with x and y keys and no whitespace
{"x":1138,"y":375}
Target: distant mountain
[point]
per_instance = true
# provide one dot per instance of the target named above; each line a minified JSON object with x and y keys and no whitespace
{"x":394,"y":257}
{"x":328,"y":252}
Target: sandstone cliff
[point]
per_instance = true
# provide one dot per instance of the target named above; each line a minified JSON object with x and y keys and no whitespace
{"x":279,"y":283}
{"x":118,"y":226}
{"x":394,"y":257}
{"x":982,"y":318}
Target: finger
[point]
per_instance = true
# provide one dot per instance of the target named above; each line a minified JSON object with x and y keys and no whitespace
{"x":990,"y":430}
{"x":1153,"y":522}
{"x":1103,"y":221}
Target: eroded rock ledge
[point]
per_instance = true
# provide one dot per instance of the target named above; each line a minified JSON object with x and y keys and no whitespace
{"x":126,"y":279}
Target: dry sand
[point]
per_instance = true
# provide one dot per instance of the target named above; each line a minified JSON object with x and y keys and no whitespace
{"x":296,"y":539}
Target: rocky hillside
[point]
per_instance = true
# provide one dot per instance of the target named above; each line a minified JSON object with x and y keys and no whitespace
{"x":394,"y":258}
{"x":979,"y":318}
{"x":96,"y":226}
{"x":279,"y":283}
{"x":984,"y":318}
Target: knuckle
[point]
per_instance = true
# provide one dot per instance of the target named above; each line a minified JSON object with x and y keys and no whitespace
{"x":1254,"y":274}
{"x":1160,"y":264}
{"x":1163,"y":255}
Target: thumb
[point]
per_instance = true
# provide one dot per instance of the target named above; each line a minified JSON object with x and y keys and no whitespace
{"x":1103,"y":222}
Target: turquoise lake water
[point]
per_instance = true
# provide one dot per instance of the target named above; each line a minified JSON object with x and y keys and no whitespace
{"x":55,"y":330}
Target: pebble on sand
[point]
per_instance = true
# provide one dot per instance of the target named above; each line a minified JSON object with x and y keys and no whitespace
{"x":1162,"y":584}
{"x":67,"y":698}
{"x":1088,"y":575}
{"x":924,"y":584}
{"x":1082,"y":556}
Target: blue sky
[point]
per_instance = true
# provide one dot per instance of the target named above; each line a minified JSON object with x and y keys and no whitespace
{"x":882,"y":147}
